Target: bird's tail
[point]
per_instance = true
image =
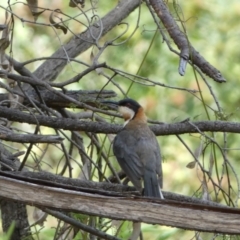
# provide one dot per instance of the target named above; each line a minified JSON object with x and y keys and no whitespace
{"x":151,"y":184}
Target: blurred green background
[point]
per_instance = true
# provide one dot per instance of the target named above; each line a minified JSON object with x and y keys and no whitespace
{"x":213,"y":29}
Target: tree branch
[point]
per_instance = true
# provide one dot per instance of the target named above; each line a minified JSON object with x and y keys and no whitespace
{"x":50,"y":69}
{"x":153,"y":211}
{"x":29,"y":138}
{"x":55,"y":101}
{"x":13,"y":211}
{"x":180,"y":39}
{"x":104,"y":188}
{"x":80,"y":225}
{"x":100,"y":127}
{"x":49,"y":179}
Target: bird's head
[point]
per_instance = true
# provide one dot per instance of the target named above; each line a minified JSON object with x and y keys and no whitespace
{"x":129,"y":108}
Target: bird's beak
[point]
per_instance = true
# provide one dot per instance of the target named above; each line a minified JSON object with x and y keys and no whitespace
{"x":111,"y":104}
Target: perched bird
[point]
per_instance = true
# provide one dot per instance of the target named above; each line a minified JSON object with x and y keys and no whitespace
{"x":137,"y":150}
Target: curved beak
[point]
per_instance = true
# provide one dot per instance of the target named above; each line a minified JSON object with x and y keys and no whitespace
{"x":111,"y":104}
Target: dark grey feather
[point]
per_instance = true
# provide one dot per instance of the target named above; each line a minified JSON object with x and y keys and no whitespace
{"x":138,"y":154}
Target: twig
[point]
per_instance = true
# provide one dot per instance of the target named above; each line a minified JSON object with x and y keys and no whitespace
{"x":79,"y":225}
{"x":180,"y":39}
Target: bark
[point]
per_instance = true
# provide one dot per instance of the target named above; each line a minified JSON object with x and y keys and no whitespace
{"x":148,"y":210}
{"x":12,"y":211}
{"x":55,"y":101}
{"x":50,"y":69}
{"x":104,"y":188}
{"x":180,"y":39}
{"x":104,"y":127}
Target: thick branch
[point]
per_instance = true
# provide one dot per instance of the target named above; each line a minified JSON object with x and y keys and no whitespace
{"x":49,"y":179}
{"x":80,"y":225}
{"x":100,"y":127}
{"x":104,"y":188}
{"x":13,"y":211}
{"x":29,"y":138}
{"x":55,"y":101}
{"x":183,"y":43}
{"x":154,"y":211}
{"x":50,"y":69}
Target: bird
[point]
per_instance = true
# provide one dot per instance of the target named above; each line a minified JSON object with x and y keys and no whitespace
{"x":136,"y":149}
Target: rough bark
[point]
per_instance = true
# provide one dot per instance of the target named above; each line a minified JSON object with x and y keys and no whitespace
{"x":153,"y":211}
{"x":183,"y":43}
{"x":48,"y":71}
{"x":104,"y":188}
{"x":12,"y":211}
{"x":55,"y":101}
{"x":51,"y":68}
{"x":103,"y":127}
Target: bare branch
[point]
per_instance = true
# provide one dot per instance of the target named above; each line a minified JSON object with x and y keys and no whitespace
{"x":180,"y":39}
{"x":48,"y":179}
{"x":50,"y":69}
{"x":29,"y":138}
{"x":80,"y":225}
{"x":13,"y":211}
{"x":102,"y":127}
{"x":153,"y":211}
{"x":56,"y":101}
{"x":104,"y":188}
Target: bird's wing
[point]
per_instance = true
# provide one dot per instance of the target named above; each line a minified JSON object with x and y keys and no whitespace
{"x":159,"y":164}
{"x":127,"y":157}
{"x":148,"y":152}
